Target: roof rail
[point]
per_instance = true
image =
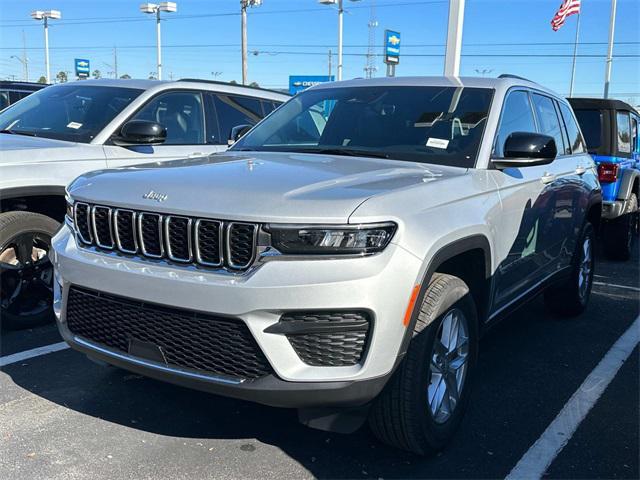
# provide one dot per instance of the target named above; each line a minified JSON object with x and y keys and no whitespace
{"x":218,"y":82}
{"x":509,"y":75}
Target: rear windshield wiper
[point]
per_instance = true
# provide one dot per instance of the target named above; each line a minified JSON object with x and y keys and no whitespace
{"x":18,"y":132}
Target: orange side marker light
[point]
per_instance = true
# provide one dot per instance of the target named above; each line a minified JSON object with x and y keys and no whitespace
{"x":412,"y":302}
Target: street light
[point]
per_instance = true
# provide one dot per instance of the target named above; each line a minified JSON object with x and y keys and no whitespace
{"x":46,"y":15}
{"x":244,"y":4}
{"x":340,"y":14}
{"x":153,"y":8}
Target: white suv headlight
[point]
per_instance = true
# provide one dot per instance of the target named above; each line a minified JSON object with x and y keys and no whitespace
{"x":331,"y":240}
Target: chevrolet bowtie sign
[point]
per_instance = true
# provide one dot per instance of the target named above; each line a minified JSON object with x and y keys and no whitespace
{"x":391,"y":47}
{"x":82,"y":68}
{"x":297,"y":83}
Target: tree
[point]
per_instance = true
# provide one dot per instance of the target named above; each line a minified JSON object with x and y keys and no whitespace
{"x":42,"y":79}
{"x":126,"y":76}
{"x":254,"y":84}
{"x":233,"y":82}
{"x":152,"y":76}
{"x":97,"y":74}
{"x":62,"y":77}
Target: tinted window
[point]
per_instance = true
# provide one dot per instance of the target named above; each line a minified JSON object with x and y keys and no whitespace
{"x":267,"y":107}
{"x":634,"y":134}
{"x":234,"y":111}
{"x":4,"y":100}
{"x":180,"y":113}
{"x":591,"y":125}
{"x":73,"y":111}
{"x":442,"y":125}
{"x":517,"y":116}
{"x":548,"y":119}
{"x":576,"y":145}
{"x":624,"y":132}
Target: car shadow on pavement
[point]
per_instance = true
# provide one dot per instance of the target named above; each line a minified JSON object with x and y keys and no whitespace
{"x":529,"y":366}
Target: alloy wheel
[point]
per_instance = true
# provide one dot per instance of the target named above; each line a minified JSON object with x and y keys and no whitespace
{"x":448,"y":365}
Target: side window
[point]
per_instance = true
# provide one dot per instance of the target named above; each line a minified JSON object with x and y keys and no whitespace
{"x":576,"y":144}
{"x":267,"y":106}
{"x":635,"y":142}
{"x":517,"y":116}
{"x":548,"y":119}
{"x":591,"y":125}
{"x":4,"y":100}
{"x":624,"y":132}
{"x":181,"y":113}
{"x":234,"y":111}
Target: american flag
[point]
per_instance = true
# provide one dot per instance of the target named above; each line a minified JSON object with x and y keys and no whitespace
{"x":568,"y":7}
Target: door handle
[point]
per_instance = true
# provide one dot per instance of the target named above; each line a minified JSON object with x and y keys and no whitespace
{"x":196,"y":155}
{"x":580,"y":170}
{"x":547,"y":178}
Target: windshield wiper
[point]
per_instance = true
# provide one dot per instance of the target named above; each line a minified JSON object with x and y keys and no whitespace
{"x":348,"y":152}
{"x":18,"y":132}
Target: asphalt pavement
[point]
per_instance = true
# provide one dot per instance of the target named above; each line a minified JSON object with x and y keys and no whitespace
{"x":64,"y":417}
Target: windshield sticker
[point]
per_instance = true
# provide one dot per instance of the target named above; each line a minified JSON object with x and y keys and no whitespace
{"x":74,"y":125}
{"x":438,"y":143}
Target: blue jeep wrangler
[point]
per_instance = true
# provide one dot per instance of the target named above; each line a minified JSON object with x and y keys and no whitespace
{"x":610,"y":128}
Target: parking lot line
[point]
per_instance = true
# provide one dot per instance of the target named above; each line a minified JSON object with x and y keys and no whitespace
{"x":613,"y":285}
{"x":34,"y":352}
{"x":537,"y":459}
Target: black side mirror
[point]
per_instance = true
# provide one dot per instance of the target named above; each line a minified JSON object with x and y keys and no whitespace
{"x":237,"y":132}
{"x":141,"y":132}
{"x":525,"y":149}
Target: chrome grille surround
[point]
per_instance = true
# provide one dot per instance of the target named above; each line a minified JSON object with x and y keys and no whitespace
{"x":143,"y":244}
{"x":98,"y":210}
{"x":232,"y":246}
{"x":84,"y":220}
{"x":167,"y":233}
{"x":134,"y":236}
{"x":200,"y":225}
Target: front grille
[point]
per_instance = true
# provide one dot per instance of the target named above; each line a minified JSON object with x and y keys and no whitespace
{"x":206,"y":242}
{"x":329,"y":339}
{"x":201,"y":342}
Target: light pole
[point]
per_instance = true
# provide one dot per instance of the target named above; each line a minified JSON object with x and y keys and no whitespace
{"x":454,"y":38}
{"x":45,"y":16}
{"x":339,"y":3}
{"x":25,"y":65}
{"x":152,"y":8}
{"x":244,"y":4}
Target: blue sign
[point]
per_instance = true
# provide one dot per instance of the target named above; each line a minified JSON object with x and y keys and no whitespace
{"x":297,"y":83}
{"x":391,"y":47}
{"x":82,"y":68}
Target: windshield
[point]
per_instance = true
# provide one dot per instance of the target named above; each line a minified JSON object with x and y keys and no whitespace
{"x":441,"y":125}
{"x":73,"y":112}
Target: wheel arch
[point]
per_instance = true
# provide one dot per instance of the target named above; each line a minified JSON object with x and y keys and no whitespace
{"x":47,"y":200}
{"x":459,"y":258}
{"x":630,"y":184}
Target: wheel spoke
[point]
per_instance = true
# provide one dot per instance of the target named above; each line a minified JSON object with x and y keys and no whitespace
{"x":24,"y":248}
{"x":439,"y":393}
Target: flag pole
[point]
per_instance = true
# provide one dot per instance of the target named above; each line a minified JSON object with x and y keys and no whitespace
{"x":607,"y":70}
{"x":575,"y":54}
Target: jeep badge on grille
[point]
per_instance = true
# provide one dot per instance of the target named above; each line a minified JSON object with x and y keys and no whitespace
{"x":158,"y":197}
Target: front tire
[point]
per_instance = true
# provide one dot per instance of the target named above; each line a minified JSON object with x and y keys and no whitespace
{"x":26,"y":274}
{"x":571,"y":297}
{"x":424,"y":402}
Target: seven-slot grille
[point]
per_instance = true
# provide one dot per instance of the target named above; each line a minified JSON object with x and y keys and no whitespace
{"x":210,"y":243}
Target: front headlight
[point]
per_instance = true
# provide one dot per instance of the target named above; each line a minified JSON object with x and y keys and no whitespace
{"x":69,"y":213}
{"x":331,"y":240}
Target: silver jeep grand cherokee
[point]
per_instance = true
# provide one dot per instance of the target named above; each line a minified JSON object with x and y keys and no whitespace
{"x":344,"y":257}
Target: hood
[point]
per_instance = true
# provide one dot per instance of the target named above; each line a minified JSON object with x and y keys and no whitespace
{"x":24,"y":149}
{"x":256,"y":186}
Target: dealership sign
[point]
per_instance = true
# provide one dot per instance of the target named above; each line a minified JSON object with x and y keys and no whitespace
{"x":391,"y":47}
{"x":82,"y":68}
{"x":297,"y":83}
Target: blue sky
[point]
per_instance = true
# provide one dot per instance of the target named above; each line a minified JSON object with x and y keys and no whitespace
{"x":294,"y":36}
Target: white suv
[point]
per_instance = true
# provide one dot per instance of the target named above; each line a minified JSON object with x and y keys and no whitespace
{"x":62,"y":131}
{"x":344,"y":257}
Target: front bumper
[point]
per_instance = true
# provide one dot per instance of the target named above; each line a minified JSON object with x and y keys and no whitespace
{"x":381,"y":284}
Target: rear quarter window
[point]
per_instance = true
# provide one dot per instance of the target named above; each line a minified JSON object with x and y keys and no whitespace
{"x":591,"y":125}
{"x":624,"y":132}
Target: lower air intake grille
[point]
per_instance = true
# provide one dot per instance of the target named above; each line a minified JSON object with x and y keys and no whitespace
{"x":330,"y":339}
{"x":201,"y":342}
